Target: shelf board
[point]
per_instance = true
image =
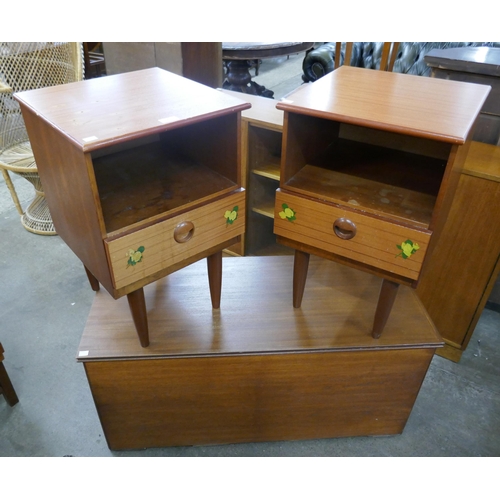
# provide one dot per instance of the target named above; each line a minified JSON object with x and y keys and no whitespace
{"x":143,"y":183}
{"x":267,"y":210}
{"x":370,"y":196}
{"x":270,"y":169}
{"x":375,"y":179}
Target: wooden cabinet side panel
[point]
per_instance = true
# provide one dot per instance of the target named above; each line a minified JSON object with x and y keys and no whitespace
{"x":452,"y":285}
{"x":304,"y":139}
{"x":73,"y":202}
{"x":447,"y":191}
{"x":202,"y":62}
{"x":214,"y":143}
{"x":210,"y":400}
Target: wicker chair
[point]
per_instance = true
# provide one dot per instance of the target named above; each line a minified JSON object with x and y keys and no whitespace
{"x":26,"y":66}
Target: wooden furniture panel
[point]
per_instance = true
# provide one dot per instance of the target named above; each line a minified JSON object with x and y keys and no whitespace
{"x":202,"y":62}
{"x":143,"y":147}
{"x":476,"y":65}
{"x":372,"y":241}
{"x":465,"y":263}
{"x":217,"y":400}
{"x":471,"y":230}
{"x":71,"y":197}
{"x":257,"y":369}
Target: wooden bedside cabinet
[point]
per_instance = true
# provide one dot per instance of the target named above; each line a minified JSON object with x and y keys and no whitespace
{"x":142,"y":177}
{"x":370,"y":164}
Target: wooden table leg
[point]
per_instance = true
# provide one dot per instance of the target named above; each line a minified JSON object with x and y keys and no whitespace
{"x":386,"y":299}
{"x":300,"y":267}
{"x":238,"y":78}
{"x":214,"y":265}
{"x":6,"y":387}
{"x":94,"y":284}
{"x":137,"y":305}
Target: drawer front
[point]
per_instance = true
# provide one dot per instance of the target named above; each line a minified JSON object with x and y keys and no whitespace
{"x":378,"y":243}
{"x":149,"y":250}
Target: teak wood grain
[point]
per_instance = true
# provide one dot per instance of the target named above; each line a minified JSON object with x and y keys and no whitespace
{"x":199,"y":401}
{"x":375,"y":242}
{"x":256,"y":369}
{"x":210,"y":228}
{"x":342,"y":147}
{"x":105,"y":111}
{"x":256,"y":314}
{"x":455,"y":290}
{"x":407,"y":104}
{"x":70,"y":190}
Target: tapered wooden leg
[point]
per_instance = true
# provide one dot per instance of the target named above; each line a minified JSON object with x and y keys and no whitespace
{"x":300,"y":267}
{"x":94,"y":284}
{"x":214,"y":265}
{"x":137,"y":304}
{"x":6,"y":387}
{"x":386,"y":299}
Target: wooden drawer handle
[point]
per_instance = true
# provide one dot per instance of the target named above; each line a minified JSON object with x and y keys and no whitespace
{"x":344,"y":228}
{"x":184,"y":232}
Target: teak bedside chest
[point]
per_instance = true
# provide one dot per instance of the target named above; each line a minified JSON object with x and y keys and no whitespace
{"x":142,"y":176}
{"x":370,"y":163}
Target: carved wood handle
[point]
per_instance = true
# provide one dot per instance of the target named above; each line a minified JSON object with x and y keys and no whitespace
{"x":344,"y":228}
{"x":184,"y":232}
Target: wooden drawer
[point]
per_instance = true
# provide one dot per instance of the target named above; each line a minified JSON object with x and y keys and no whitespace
{"x":376,"y":242}
{"x":147,"y":251}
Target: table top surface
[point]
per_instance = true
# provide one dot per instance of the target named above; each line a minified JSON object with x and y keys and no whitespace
{"x":413,"y":105}
{"x":262,"y":50}
{"x":257,"y":45}
{"x":104,"y":111}
{"x":256,"y":314}
{"x":479,"y":60}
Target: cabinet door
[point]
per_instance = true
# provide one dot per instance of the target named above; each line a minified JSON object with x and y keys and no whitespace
{"x":453,"y":285}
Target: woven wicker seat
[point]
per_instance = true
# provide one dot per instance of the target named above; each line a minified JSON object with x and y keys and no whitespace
{"x":26,"y":66}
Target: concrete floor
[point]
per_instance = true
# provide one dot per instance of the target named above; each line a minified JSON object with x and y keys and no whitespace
{"x":46,"y":299}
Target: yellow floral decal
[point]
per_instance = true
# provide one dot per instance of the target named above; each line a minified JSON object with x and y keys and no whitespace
{"x":287,"y":213}
{"x":134,"y":256}
{"x":231,"y":215}
{"x":408,"y":248}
